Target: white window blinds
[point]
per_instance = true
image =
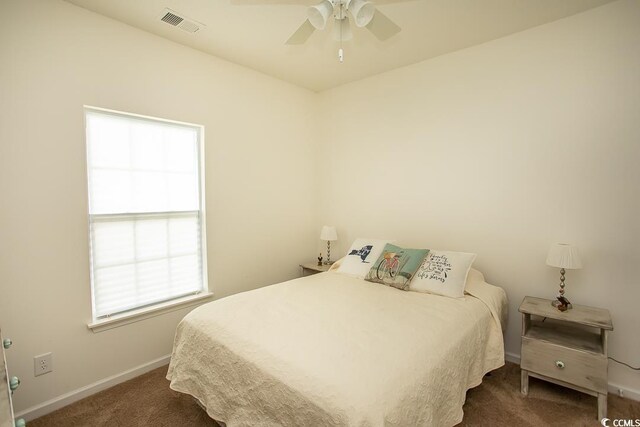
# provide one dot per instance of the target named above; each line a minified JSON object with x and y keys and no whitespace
{"x":145,"y":211}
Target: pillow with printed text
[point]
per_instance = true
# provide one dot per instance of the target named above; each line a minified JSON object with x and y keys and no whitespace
{"x":396,"y":266}
{"x":361,"y":256}
{"x":443,"y":273}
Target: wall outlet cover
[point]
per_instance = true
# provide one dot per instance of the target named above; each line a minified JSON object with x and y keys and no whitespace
{"x":42,"y":364}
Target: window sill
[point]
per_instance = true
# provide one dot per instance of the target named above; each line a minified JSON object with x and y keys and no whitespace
{"x":147,"y":312}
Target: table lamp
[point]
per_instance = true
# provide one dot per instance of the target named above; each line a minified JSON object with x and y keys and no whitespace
{"x":563,"y":256}
{"x":329,"y":234}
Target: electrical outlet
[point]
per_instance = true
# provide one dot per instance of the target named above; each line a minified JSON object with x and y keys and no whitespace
{"x":42,"y":364}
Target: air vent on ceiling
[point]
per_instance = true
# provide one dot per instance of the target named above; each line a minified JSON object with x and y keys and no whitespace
{"x":175,"y":19}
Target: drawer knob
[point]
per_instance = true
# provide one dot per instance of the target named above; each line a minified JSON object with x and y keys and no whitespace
{"x":6,"y":343}
{"x":560,"y":364}
{"x":14,"y":383}
{"x":20,"y":422}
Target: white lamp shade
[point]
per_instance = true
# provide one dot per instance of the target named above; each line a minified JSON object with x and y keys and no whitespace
{"x":319,"y":14}
{"x":362,"y":11}
{"x":342,"y":30}
{"x":328,"y":233}
{"x":563,"y":255}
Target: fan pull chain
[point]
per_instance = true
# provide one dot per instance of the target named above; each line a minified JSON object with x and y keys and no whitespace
{"x":341,"y":51}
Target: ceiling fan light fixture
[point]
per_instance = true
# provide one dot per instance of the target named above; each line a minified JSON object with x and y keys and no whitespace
{"x":362,"y":11}
{"x":319,"y":14}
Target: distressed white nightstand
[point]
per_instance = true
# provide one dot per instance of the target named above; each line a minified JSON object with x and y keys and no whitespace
{"x":310,"y":268}
{"x":566,"y":348}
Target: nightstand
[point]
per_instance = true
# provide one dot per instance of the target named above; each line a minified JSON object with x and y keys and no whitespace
{"x":566,"y":348}
{"x":310,"y":268}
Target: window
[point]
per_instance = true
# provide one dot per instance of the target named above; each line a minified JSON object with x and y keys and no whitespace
{"x":146,"y":211}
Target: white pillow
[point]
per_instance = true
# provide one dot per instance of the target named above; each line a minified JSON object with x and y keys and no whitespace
{"x":336,"y":264}
{"x":443,"y":273}
{"x":362,"y":254}
{"x":474,"y":276}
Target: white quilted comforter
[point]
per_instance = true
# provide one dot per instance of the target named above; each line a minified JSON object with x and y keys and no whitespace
{"x":332,"y":350}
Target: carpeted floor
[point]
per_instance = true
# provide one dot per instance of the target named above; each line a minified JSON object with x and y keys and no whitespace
{"x":148,"y":401}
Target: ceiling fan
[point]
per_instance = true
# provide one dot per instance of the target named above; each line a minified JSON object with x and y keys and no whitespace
{"x":363,"y":13}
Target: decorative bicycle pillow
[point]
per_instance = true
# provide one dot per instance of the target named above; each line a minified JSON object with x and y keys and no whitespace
{"x":443,"y":273}
{"x":396,"y":266}
{"x":361,"y":255}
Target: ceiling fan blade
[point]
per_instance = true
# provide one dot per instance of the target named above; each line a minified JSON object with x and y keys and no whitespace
{"x":302,"y":33}
{"x":382,"y":27}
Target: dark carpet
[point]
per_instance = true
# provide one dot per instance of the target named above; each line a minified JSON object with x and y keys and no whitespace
{"x":148,"y":401}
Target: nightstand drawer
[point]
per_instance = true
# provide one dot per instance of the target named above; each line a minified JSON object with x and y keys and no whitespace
{"x":583,"y":369}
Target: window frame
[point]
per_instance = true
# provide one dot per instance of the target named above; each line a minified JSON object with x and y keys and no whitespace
{"x":138,"y":312}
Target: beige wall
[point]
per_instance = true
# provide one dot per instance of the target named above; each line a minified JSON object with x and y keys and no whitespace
{"x":260,"y":177}
{"x":501,"y":150}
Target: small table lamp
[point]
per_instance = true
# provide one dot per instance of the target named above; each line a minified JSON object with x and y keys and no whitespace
{"x":563,"y":256}
{"x":329,"y":234}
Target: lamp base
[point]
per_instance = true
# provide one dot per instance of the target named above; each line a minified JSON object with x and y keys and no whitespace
{"x":561,"y":303}
{"x":562,"y":306}
{"x":328,"y":261}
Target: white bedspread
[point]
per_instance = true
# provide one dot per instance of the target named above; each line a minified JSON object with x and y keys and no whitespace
{"x":334,"y":350}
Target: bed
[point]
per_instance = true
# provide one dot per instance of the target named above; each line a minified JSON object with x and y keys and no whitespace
{"x":333,"y":350}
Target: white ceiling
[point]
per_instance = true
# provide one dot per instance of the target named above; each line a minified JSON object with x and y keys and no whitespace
{"x":254,"y":36}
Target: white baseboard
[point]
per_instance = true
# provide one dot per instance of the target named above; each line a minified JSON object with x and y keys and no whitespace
{"x":628,"y":393}
{"x":86,"y":391}
{"x":512,"y":357}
